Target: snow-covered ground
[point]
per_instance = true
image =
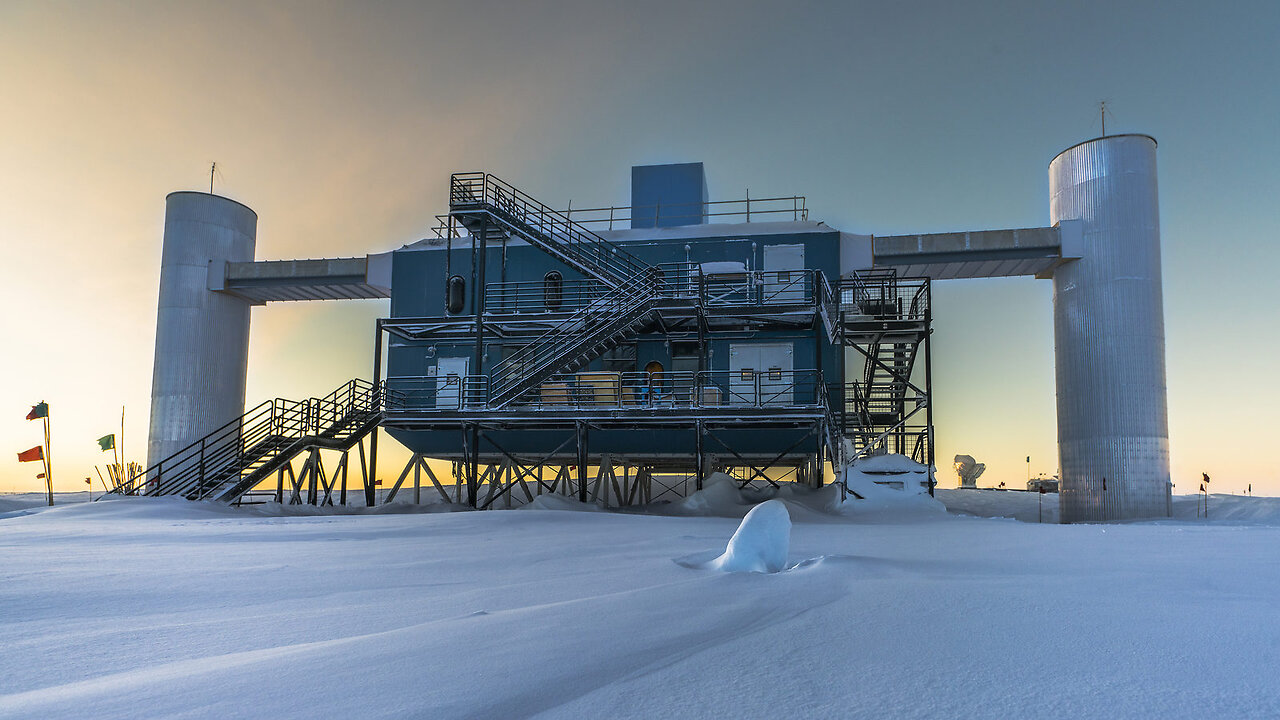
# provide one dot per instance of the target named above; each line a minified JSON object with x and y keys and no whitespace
{"x":166,"y":608}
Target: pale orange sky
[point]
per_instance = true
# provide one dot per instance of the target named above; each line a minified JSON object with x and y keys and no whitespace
{"x":340,"y":123}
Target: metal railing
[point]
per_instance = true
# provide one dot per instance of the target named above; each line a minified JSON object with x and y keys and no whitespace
{"x":766,"y":209}
{"x":616,"y":311}
{"x":753,"y":288}
{"x":607,"y":315}
{"x":885,"y":296}
{"x":595,"y":390}
{"x":534,"y":296}
{"x":875,"y":399}
{"x":230,"y":452}
{"x":769,"y":209}
{"x":582,"y":249}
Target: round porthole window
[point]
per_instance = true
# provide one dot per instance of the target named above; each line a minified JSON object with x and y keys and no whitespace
{"x":455,"y":295}
{"x":552,"y":290}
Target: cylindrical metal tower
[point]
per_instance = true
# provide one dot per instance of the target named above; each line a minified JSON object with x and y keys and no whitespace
{"x":202,"y":336}
{"x":1113,"y":429}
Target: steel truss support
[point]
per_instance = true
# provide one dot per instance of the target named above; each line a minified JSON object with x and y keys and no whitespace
{"x":515,"y":471}
{"x":759,"y":471}
{"x":418,"y":465}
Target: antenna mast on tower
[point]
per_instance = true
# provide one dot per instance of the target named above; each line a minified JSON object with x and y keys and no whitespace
{"x":214,"y":167}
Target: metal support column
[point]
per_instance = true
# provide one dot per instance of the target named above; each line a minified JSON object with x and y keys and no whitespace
{"x":370,"y":478}
{"x":928,"y":388}
{"x":582,"y":461}
{"x":698,"y":455}
{"x":472,"y":449}
{"x":478,"y":280}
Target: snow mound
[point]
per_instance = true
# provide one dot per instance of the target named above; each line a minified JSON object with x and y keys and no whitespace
{"x":559,"y":502}
{"x":1229,"y":509}
{"x":719,"y":496}
{"x":1029,"y":507}
{"x":889,"y":463}
{"x":890,"y":486}
{"x":723,"y":268}
{"x":761,"y":542}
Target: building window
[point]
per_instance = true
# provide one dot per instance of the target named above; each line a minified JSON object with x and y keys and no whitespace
{"x":621,"y":359}
{"x":684,"y":356}
{"x":455,"y":295}
{"x":553,"y":290}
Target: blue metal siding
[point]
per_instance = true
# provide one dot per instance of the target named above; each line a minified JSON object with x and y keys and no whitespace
{"x":668,"y":195}
{"x":420,"y":277}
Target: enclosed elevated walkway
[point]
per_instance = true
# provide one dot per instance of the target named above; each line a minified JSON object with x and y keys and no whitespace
{"x":1031,"y":252}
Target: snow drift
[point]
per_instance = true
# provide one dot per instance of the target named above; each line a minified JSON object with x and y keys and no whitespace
{"x":761,"y":542}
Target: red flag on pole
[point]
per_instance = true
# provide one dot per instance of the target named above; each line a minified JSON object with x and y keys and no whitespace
{"x":32,"y":455}
{"x":40,"y":476}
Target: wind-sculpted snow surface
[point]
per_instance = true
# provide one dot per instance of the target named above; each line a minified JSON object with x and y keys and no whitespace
{"x":162,"y":608}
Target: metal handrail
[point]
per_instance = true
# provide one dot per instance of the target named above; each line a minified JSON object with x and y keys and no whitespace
{"x":754,"y":288}
{"x":885,"y":296}
{"x":619,"y":390}
{"x":210,"y":462}
{"x":693,"y":213}
{"x":712,"y":211}
{"x":602,"y":317}
{"x":583,"y":249}
{"x":618,"y":308}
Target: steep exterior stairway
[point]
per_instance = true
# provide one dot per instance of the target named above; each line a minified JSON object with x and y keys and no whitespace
{"x":480,"y":198}
{"x":234,"y":458}
{"x":579,"y":339}
{"x":484,"y":203}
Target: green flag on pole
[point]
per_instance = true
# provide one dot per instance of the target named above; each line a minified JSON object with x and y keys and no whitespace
{"x":39,"y":411}
{"x":107,"y":442}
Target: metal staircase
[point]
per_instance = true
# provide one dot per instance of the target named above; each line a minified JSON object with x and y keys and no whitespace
{"x":478,"y":199}
{"x":865,"y":412}
{"x":579,"y":339}
{"x":483,"y":204}
{"x":888,"y":369}
{"x":234,"y":458}
{"x":887,"y":319}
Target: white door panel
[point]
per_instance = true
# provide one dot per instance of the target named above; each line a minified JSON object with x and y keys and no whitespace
{"x":784,"y":276}
{"x":449,"y":376}
{"x":761,"y":374}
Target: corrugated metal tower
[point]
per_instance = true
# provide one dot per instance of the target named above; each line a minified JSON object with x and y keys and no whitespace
{"x":1113,"y":430}
{"x":202,"y":337}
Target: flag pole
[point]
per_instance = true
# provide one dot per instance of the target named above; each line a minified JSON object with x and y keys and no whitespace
{"x":48,"y":462}
{"x":122,"y":453}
